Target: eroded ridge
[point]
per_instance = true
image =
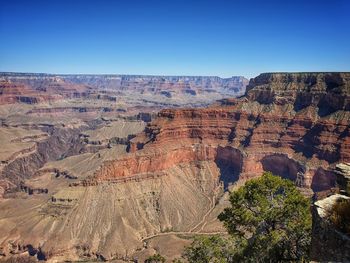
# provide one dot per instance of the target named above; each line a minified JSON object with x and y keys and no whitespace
{"x":270,"y":129}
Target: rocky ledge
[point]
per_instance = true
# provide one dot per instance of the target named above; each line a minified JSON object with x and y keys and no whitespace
{"x":329,"y":241}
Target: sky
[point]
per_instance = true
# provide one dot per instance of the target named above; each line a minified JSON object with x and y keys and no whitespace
{"x":153,"y":37}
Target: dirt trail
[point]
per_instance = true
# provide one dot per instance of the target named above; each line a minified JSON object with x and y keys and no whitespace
{"x":192,"y":230}
{"x":202,"y":222}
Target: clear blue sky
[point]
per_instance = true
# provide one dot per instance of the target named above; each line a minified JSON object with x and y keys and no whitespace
{"x":176,"y":37}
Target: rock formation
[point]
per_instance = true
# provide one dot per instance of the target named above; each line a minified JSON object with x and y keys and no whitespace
{"x":329,"y":243}
{"x":293,"y":124}
{"x":34,"y":88}
{"x":342,"y":171}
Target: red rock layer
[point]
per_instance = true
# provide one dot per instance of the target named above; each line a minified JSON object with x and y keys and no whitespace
{"x":301,"y":140}
{"x":155,"y":160}
{"x":31,"y":92}
{"x":272,"y":129}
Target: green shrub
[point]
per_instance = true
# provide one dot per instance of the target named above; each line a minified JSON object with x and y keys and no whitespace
{"x":268,"y":220}
{"x":213,"y":249}
{"x":156,"y":258}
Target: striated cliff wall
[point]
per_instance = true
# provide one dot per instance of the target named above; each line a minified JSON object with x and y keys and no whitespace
{"x":31,"y":88}
{"x":293,"y":124}
{"x":169,"y":180}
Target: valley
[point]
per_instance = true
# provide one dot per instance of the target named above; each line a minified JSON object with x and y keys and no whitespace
{"x":118,"y":167}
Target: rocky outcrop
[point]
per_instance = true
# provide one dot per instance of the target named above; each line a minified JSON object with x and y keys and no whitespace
{"x":154,"y":162}
{"x":342,"y":172}
{"x":270,"y":129}
{"x":15,"y":88}
{"x":328,"y":92}
{"x":30,"y":190}
{"x":328,"y":243}
{"x":59,"y":110}
{"x":61,"y":142}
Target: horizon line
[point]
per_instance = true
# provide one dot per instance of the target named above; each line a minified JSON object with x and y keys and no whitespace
{"x":165,"y":75}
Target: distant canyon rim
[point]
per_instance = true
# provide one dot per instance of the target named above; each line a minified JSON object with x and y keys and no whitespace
{"x":117,"y":167}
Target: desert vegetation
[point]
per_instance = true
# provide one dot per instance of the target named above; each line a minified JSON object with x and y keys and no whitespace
{"x":268,"y":220}
{"x":156,"y":258}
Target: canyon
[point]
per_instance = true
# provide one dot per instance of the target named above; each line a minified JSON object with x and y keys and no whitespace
{"x":117,"y":167}
{"x":271,"y":129}
{"x":120,"y":90}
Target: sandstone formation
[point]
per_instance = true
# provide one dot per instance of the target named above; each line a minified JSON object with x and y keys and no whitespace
{"x":295,"y":125}
{"x":93,"y":200}
{"x":16,"y":88}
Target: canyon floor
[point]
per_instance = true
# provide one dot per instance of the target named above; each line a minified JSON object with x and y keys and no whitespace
{"x":117,"y":167}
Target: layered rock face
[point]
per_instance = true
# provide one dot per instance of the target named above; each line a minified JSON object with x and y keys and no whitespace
{"x":329,"y":92}
{"x":108,"y":221}
{"x":61,"y":142}
{"x":34,"y":88}
{"x":293,"y":124}
{"x":165,"y":85}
